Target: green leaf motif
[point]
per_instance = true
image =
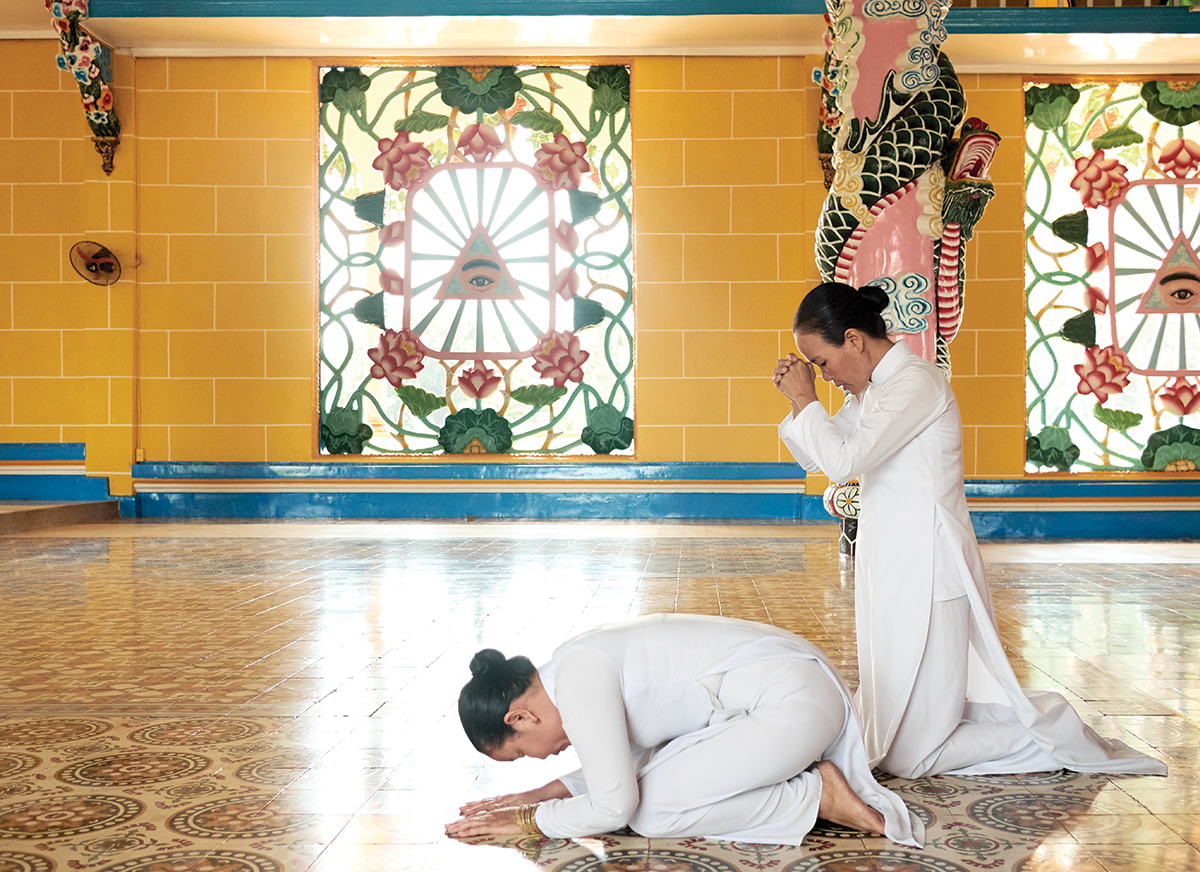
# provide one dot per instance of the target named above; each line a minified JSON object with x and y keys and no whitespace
{"x":1180,"y":442}
{"x":369,"y":310}
{"x":420,"y":402}
{"x":1118,"y":137}
{"x":538,"y":395}
{"x":1081,"y":329}
{"x":343,"y":431}
{"x":584,"y":205}
{"x":369,"y":207}
{"x":588,"y":313}
{"x":1047,"y":108}
{"x":466,"y":425}
{"x":615,"y":77}
{"x":1116,"y":419}
{"x":1072,"y":228}
{"x":495,"y":91}
{"x":421,"y":121}
{"x":1052,"y":447}
{"x":345,"y":80}
{"x":608,"y":101}
{"x":1180,"y":107}
{"x":607,"y":429}
{"x":539,"y":120}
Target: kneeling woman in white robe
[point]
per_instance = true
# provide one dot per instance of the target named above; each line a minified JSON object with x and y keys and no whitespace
{"x":936,"y":691}
{"x":684,"y":726}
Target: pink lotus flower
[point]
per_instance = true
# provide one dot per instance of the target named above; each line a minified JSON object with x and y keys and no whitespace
{"x":558,"y":356}
{"x":1099,"y":180}
{"x":397,"y":356}
{"x":479,"y":382}
{"x":392,"y":282}
{"x":1095,"y":257}
{"x":562,"y":163}
{"x":566,"y":236}
{"x":479,"y":142}
{"x":391,"y":234}
{"x":1179,"y":157}
{"x":1181,"y":398}
{"x":403,"y":163}
{"x":1104,"y":372}
{"x":567,"y":285}
{"x":1094,"y":299}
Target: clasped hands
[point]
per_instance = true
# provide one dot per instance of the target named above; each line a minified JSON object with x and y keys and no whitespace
{"x":796,"y":379}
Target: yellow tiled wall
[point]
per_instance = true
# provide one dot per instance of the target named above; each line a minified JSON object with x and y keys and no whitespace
{"x":728,"y":196}
{"x":204,"y":350}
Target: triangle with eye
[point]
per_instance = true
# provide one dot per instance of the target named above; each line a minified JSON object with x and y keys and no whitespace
{"x":1175,"y":288}
{"x":479,"y":272}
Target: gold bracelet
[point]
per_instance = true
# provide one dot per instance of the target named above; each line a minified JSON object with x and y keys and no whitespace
{"x":527,"y":819}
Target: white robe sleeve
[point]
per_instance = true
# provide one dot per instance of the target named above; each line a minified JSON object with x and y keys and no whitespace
{"x":589,"y":698}
{"x":844,"y":422}
{"x":852,"y":443}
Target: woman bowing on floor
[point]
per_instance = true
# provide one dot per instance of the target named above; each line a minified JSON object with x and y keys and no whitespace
{"x":936,"y":691}
{"x":685,"y":726}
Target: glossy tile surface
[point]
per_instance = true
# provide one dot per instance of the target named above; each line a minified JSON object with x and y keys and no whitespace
{"x":254,"y":697}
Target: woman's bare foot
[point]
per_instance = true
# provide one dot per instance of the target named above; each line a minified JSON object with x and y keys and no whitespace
{"x":841,"y":805}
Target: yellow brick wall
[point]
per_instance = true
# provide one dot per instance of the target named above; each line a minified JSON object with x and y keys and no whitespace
{"x":204,"y":350}
{"x":728,"y":195}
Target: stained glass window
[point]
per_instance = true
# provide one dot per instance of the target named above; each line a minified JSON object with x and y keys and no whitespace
{"x":475,"y":260}
{"x":1113,"y":276}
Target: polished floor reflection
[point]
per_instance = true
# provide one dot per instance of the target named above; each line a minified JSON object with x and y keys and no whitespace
{"x":254,"y":697}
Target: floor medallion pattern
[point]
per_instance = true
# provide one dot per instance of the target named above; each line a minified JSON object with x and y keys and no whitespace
{"x":16,"y":861}
{"x":13,"y":763}
{"x":199,"y":861}
{"x":49,"y":818}
{"x":133,"y":768}
{"x":251,"y":817}
{"x":251,"y":697}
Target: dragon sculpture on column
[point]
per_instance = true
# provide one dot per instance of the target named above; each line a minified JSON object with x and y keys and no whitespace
{"x":904,"y":192}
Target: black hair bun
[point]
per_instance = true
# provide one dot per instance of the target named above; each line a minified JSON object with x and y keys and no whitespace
{"x":486,"y":660}
{"x":875,"y":297}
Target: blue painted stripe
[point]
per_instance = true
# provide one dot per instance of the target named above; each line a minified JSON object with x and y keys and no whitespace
{"x":508,"y":505}
{"x":474,"y":471}
{"x":1117,"y":19}
{"x":1086,"y":525}
{"x":1061,"y":488}
{"x":1126,"y":19}
{"x":64,"y":488}
{"x":33,"y":451}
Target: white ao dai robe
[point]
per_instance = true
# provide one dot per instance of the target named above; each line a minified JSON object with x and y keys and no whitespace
{"x":666,"y":715}
{"x":916,"y":553}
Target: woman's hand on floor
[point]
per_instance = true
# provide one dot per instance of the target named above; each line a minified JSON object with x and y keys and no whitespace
{"x":492,"y":803}
{"x":553,"y":790}
{"x":498,"y":822}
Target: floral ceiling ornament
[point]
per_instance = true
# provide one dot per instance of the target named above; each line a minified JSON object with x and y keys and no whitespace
{"x":562,"y":163}
{"x":1179,"y":158}
{"x":403,"y":163}
{"x":1104,"y":372}
{"x":479,"y":382}
{"x":397,"y":356}
{"x":1100,"y":180}
{"x":91,"y":65}
{"x":1181,"y":398}
{"x":479,"y":142}
{"x":559,"y":358}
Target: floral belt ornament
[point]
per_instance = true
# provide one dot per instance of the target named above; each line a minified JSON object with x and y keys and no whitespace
{"x":91,"y":65}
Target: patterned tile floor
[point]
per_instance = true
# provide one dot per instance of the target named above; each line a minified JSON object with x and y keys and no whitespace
{"x":254,"y":697}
